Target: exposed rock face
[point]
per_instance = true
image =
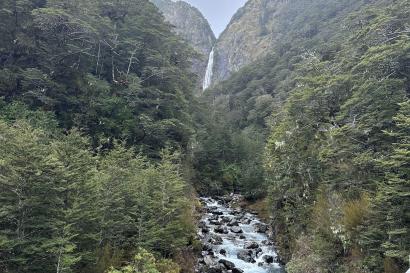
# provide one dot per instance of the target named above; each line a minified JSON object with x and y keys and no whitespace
{"x":192,"y":26}
{"x":250,"y":35}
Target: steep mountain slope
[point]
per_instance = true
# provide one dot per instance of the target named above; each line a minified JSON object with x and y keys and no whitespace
{"x":331,"y":99}
{"x":192,"y":26}
{"x":249,"y":35}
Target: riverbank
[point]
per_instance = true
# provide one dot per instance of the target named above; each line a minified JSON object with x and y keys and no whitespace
{"x":234,"y":240}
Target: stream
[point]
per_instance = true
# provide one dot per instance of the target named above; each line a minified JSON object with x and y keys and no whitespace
{"x":234,"y":240}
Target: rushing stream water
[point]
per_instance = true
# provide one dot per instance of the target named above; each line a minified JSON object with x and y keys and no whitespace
{"x":234,"y":240}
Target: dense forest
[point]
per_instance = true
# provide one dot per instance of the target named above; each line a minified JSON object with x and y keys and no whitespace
{"x":320,"y":127}
{"x":95,"y":124}
{"x":104,"y":148}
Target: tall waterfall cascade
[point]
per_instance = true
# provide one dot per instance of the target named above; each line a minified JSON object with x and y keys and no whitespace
{"x":209,"y":71}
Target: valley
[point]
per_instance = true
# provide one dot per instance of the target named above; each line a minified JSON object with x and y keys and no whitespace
{"x":133,"y":140}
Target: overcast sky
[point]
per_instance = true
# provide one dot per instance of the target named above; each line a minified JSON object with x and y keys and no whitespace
{"x":218,"y":12}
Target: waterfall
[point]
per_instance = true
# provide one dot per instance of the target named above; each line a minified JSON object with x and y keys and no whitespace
{"x":209,"y":71}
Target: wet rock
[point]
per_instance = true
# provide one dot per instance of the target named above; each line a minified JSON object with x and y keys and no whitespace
{"x":225,"y":219}
{"x":221,"y":230}
{"x":215,"y":240}
{"x":237,"y":270}
{"x":222,"y":252}
{"x":245,"y":255}
{"x":266,"y":243}
{"x":205,"y":230}
{"x":242,"y":237}
{"x":206,"y":247}
{"x":229,"y":265}
{"x":208,"y":260}
{"x":246,"y":221}
{"x":233,"y":222}
{"x":268,"y":259}
{"x":261,"y":228}
{"x":236,"y":230}
{"x":217,"y":212}
{"x":251,"y":245}
{"x":258,"y":250}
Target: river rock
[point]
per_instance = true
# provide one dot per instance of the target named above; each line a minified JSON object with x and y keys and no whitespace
{"x":225,"y":219}
{"x":215,"y":240}
{"x":242,"y":237}
{"x":205,"y":230}
{"x":208,"y":260}
{"x":229,"y":265}
{"x":233,"y":222}
{"x":217,"y":212}
{"x":261,"y":228}
{"x":206,"y":247}
{"x":222,"y":252}
{"x":236,"y":230}
{"x":221,"y":230}
{"x":237,"y":270}
{"x":251,"y":245}
{"x":245,"y":255}
{"x":266,"y":243}
{"x":268,"y":259}
{"x":214,"y":269}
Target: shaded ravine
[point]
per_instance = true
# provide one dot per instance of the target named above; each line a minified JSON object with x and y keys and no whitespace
{"x":234,"y":240}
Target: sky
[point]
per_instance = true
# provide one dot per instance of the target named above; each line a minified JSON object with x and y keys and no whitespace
{"x":217,"y":12}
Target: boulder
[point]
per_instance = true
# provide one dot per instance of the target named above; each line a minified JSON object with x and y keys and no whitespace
{"x":251,"y":245}
{"x":225,"y":219}
{"x":208,"y":260}
{"x":215,"y":240}
{"x":233,"y":222}
{"x":217,"y":212}
{"x":214,"y":269}
{"x":236,"y":230}
{"x":221,"y":230}
{"x":222,"y":251}
{"x":237,"y":270}
{"x":205,"y":230}
{"x":266,"y":243}
{"x":206,"y":247}
{"x":245,"y":255}
{"x":242,"y":237}
{"x":261,"y":228}
{"x":228,"y":265}
{"x":268,"y":259}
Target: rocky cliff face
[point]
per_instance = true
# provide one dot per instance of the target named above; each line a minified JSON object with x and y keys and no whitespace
{"x":192,"y":26}
{"x":251,"y":33}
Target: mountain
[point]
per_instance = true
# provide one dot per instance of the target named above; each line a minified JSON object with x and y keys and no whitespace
{"x":318,"y":124}
{"x":191,"y":25}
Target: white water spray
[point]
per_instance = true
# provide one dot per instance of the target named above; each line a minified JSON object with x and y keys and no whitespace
{"x":209,"y":71}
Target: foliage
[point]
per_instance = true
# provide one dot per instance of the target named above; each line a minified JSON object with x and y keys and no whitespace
{"x":330,"y":100}
{"x":61,"y":203}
